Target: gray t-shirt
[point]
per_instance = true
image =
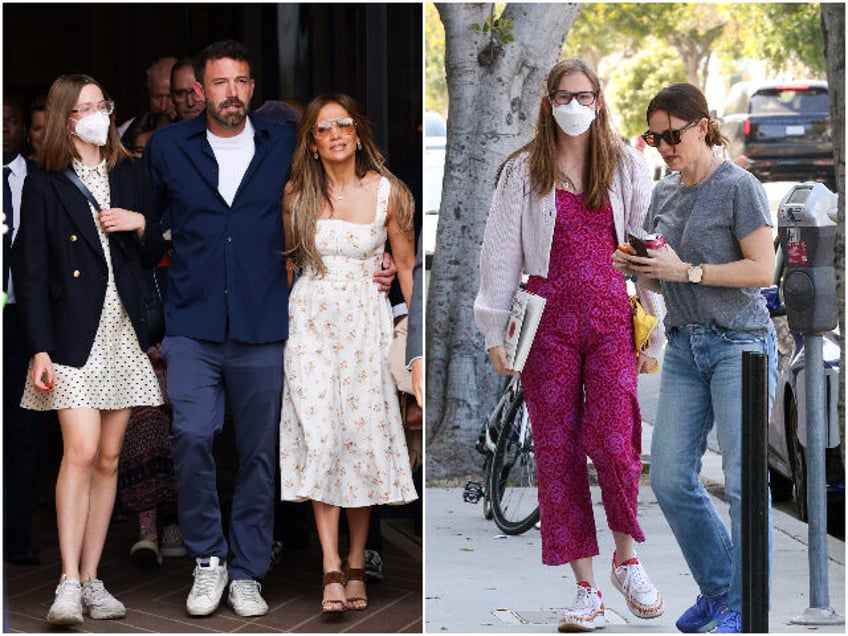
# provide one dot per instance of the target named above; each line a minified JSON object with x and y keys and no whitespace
{"x":704,"y":224}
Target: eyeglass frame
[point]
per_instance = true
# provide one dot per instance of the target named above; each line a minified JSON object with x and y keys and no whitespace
{"x":552,"y":97}
{"x":668,"y":136}
{"x":334,"y":123}
{"x":108,"y":103}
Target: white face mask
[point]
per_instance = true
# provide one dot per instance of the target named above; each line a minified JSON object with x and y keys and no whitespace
{"x":93,"y":128}
{"x":573,"y":118}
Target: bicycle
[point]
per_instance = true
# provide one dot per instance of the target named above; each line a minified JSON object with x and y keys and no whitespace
{"x":510,"y":493}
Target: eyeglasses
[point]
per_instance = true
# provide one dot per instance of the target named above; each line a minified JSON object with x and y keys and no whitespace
{"x":182,"y":95}
{"x":671,"y":137}
{"x":562,"y":98}
{"x":106,"y":107}
{"x":346,"y":126}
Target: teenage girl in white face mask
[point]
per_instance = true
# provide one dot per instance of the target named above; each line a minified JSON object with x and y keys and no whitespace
{"x":562,"y":204}
{"x":76,"y":271}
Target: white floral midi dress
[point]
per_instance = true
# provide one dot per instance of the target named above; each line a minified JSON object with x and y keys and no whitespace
{"x":117,"y":374}
{"x":341,"y":437}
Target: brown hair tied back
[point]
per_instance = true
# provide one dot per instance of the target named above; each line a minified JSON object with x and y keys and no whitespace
{"x":686,"y":101}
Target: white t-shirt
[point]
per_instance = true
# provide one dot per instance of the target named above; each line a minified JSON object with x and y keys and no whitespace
{"x":233,"y":155}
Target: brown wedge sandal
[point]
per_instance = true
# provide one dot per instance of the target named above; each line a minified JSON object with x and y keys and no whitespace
{"x":355,"y":603}
{"x":333,"y":606}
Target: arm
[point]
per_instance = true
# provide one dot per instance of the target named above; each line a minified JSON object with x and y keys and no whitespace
{"x":414,"y":339}
{"x":288,"y":239}
{"x":403,"y":253}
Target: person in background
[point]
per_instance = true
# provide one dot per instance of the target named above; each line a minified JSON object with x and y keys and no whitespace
{"x":146,"y":480}
{"x":84,"y":315}
{"x":158,"y":90}
{"x":188,"y":102}
{"x":35,"y":135}
{"x":561,"y":205}
{"x":718,"y":252}
{"x":24,"y":431}
{"x":341,"y":437}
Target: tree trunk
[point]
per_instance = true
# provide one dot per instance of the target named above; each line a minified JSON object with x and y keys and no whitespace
{"x":833,"y":26}
{"x":493,"y":90}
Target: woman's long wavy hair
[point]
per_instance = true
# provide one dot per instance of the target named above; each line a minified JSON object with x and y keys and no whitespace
{"x":57,"y":149}
{"x":310,"y":191}
{"x":605,"y":146}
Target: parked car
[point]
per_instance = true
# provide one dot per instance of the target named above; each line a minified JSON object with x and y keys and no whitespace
{"x":787,"y":434}
{"x":781,"y":131}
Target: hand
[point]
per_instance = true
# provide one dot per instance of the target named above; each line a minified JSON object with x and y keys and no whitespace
{"x":42,"y":372}
{"x":645,"y":364}
{"x":386,"y":276}
{"x":661,"y":264}
{"x":121,"y":220}
{"x":498,"y":357}
{"x":418,"y":381}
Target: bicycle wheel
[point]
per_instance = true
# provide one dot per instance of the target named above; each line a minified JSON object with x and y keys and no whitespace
{"x":512,"y":489}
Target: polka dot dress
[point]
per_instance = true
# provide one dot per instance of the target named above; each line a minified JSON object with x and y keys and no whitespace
{"x":117,"y":374}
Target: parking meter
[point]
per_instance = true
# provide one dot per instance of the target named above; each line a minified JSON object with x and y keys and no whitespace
{"x":807,"y":235}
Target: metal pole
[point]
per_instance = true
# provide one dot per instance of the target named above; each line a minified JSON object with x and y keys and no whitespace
{"x":819,"y":612}
{"x":755,"y":504}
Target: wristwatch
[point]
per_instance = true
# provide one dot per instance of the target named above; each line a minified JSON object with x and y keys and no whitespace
{"x":694,"y":273}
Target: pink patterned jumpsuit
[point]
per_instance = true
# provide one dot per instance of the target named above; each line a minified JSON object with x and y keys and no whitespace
{"x":580,"y":386}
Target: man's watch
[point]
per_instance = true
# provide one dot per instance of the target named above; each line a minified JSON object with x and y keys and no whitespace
{"x":695,"y":273}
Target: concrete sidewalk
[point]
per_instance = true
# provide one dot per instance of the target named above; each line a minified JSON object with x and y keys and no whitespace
{"x":479,"y":580}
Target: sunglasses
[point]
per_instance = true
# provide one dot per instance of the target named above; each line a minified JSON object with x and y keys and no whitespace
{"x":346,"y":126}
{"x":671,"y":137}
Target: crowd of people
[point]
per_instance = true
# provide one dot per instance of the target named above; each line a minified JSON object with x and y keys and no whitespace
{"x":191,"y":198}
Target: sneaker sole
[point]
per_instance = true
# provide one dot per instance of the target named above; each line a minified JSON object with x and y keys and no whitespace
{"x":173,"y":552}
{"x":98,"y":615}
{"x":244,"y":613}
{"x":639,"y":611}
{"x":597,"y":623}
{"x":65,"y":620}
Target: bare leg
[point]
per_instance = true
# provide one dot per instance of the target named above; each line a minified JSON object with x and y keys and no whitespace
{"x":104,"y":484}
{"x":327,"y":521}
{"x":583,"y":570}
{"x":357,"y":521}
{"x":80,"y":439}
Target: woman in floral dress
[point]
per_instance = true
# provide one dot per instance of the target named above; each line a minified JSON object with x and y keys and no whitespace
{"x":341,"y":438}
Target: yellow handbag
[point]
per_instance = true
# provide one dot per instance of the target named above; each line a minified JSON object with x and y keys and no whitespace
{"x":643,"y":327}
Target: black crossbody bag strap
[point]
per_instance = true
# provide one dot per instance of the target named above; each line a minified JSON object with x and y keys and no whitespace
{"x":69,"y":172}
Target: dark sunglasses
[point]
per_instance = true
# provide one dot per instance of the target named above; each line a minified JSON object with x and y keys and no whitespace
{"x":671,"y":137}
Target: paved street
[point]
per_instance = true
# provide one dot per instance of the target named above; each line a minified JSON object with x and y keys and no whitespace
{"x":478,"y":580}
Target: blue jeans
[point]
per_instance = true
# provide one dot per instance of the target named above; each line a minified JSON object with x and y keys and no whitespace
{"x":702,"y":384}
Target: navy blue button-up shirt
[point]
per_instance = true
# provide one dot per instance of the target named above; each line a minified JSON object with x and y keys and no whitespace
{"x":227,"y":277}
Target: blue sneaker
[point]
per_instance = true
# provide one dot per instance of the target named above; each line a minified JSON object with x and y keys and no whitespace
{"x":730,"y":623}
{"x":704,"y":615}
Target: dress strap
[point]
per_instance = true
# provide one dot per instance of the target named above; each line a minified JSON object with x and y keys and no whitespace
{"x":383,"y":190}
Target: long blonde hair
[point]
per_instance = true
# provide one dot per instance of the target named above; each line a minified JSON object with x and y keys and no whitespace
{"x":605,"y":146}
{"x":309,"y":189}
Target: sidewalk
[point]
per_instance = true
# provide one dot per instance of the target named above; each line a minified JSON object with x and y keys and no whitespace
{"x":479,"y":580}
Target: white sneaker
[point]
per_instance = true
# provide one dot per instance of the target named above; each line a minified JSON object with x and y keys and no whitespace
{"x":585,"y":614}
{"x":630,"y":578}
{"x":98,"y":603}
{"x":210,"y":579}
{"x":245,"y":598}
{"x":67,"y":606}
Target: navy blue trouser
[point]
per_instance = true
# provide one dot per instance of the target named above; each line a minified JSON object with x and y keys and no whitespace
{"x":200,"y":375}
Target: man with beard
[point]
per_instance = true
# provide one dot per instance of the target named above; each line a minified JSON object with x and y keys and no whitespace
{"x":219,"y":181}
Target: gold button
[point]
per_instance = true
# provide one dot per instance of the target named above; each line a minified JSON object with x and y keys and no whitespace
{"x":76,"y":273}
{"x":73,"y":238}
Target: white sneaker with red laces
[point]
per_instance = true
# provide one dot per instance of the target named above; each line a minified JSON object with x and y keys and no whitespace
{"x":586,"y":614}
{"x":630,"y":578}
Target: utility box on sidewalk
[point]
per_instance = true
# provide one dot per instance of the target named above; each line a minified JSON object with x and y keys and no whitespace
{"x":807,"y":235}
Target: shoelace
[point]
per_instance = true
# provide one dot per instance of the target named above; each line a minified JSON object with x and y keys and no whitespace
{"x":248,"y":591}
{"x":204,"y":579}
{"x":66,"y":591}
{"x":582,"y":601}
{"x":637,"y":579}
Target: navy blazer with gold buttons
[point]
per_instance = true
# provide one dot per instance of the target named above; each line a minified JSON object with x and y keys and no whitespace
{"x":59,"y":265}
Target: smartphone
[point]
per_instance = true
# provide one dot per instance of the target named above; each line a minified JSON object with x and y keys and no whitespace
{"x":641,"y":247}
